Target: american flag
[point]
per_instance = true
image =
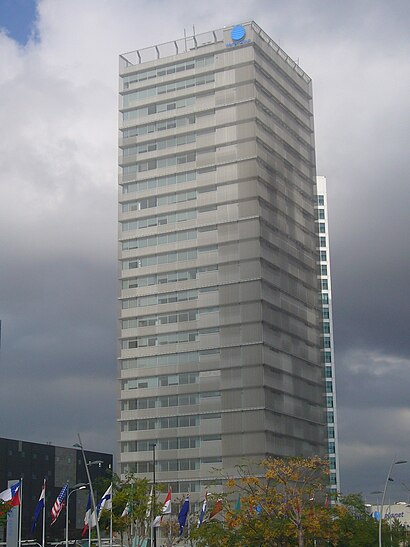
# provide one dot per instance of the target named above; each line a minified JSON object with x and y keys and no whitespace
{"x":59,"y":503}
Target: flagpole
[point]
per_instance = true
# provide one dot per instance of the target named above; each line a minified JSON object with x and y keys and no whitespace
{"x":20,"y":510}
{"x":112,"y":495}
{"x":43,"y":537}
{"x":188,"y":516}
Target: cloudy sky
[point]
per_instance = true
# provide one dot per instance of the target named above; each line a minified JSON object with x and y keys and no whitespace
{"x":58,"y":119}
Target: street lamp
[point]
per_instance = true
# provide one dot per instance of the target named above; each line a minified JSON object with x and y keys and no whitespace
{"x":388,"y":478}
{"x":79,"y":486}
{"x":87,"y":465}
{"x":376,"y":493}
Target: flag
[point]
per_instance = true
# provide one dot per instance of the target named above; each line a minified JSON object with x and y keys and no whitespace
{"x":183,"y":515}
{"x":87,"y":516}
{"x":104,"y":503}
{"x":148,"y":511}
{"x":39,"y":507}
{"x":217,"y":508}
{"x":166,"y":510}
{"x":326,"y":501}
{"x":12,"y":494}
{"x":127,"y":510}
{"x":238,"y":503}
{"x":203,"y":509}
{"x":59,"y":504}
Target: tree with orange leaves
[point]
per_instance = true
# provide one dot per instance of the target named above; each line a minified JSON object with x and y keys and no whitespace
{"x":282,"y":502}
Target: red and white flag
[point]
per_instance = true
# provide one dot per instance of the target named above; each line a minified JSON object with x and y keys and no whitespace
{"x":59,"y":504}
{"x":166,"y":510}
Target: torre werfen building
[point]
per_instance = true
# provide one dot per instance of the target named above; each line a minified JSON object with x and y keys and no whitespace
{"x":220,"y":315}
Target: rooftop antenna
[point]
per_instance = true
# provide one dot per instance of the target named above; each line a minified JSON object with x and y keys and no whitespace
{"x":185,"y":40}
{"x":193,"y":30}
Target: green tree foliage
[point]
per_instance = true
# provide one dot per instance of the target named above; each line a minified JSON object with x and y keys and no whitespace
{"x":133,"y":493}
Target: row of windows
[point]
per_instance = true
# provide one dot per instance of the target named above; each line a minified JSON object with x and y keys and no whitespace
{"x":170,"y":359}
{"x":279,"y":106}
{"x":165,"y":298}
{"x":279,"y":121}
{"x":161,"y":381}
{"x":154,"y":320}
{"x":160,"y":220}
{"x":195,"y":81}
{"x":166,"y":319}
{"x":329,"y":387}
{"x":325,"y":313}
{"x":168,"y":401}
{"x":322,"y":228}
{"x":157,"y":108}
{"x":328,"y":372}
{"x":156,"y":240}
{"x":157,"y":201}
{"x":182,"y":487}
{"x":326,"y":327}
{"x":166,"y":258}
{"x":167,"y":277}
{"x":159,"y":163}
{"x":165,"y":339}
{"x":274,"y":83}
{"x":326,"y":342}
{"x":165,"y":70}
{"x":167,"y":422}
{"x":161,"y":125}
{"x":171,"y":465}
{"x":322,"y":241}
{"x":161,"y":144}
{"x":323,"y":256}
{"x":158,"y":182}
{"x":320,"y":214}
{"x":320,"y":199}
{"x":173,"y":443}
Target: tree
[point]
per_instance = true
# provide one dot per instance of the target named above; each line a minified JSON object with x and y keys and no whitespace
{"x":5,"y":507}
{"x":356,"y":528}
{"x":281,"y":503}
{"x":134,"y":494}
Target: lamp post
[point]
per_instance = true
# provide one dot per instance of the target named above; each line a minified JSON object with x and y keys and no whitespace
{"x":86,"y":465}
{"x":376,"y":493}
{"x":79,"y":486}
{"x":398,"y":462}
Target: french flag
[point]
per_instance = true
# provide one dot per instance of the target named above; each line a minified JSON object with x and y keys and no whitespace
{"x":12,"y":494}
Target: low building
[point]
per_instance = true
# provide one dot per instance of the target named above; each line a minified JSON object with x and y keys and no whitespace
{"x":34,"y":462}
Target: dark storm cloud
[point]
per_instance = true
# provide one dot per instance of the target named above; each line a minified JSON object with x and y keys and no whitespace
{"x":58,"y":211}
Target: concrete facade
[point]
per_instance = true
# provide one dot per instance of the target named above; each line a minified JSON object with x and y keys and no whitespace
{"x":220,"y":316}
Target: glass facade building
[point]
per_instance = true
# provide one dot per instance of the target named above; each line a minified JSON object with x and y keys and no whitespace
{"x":328,"y":354}
{"x":220,"y":320}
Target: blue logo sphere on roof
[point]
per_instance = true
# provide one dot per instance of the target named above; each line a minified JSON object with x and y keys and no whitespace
{"x":238,"y":33}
